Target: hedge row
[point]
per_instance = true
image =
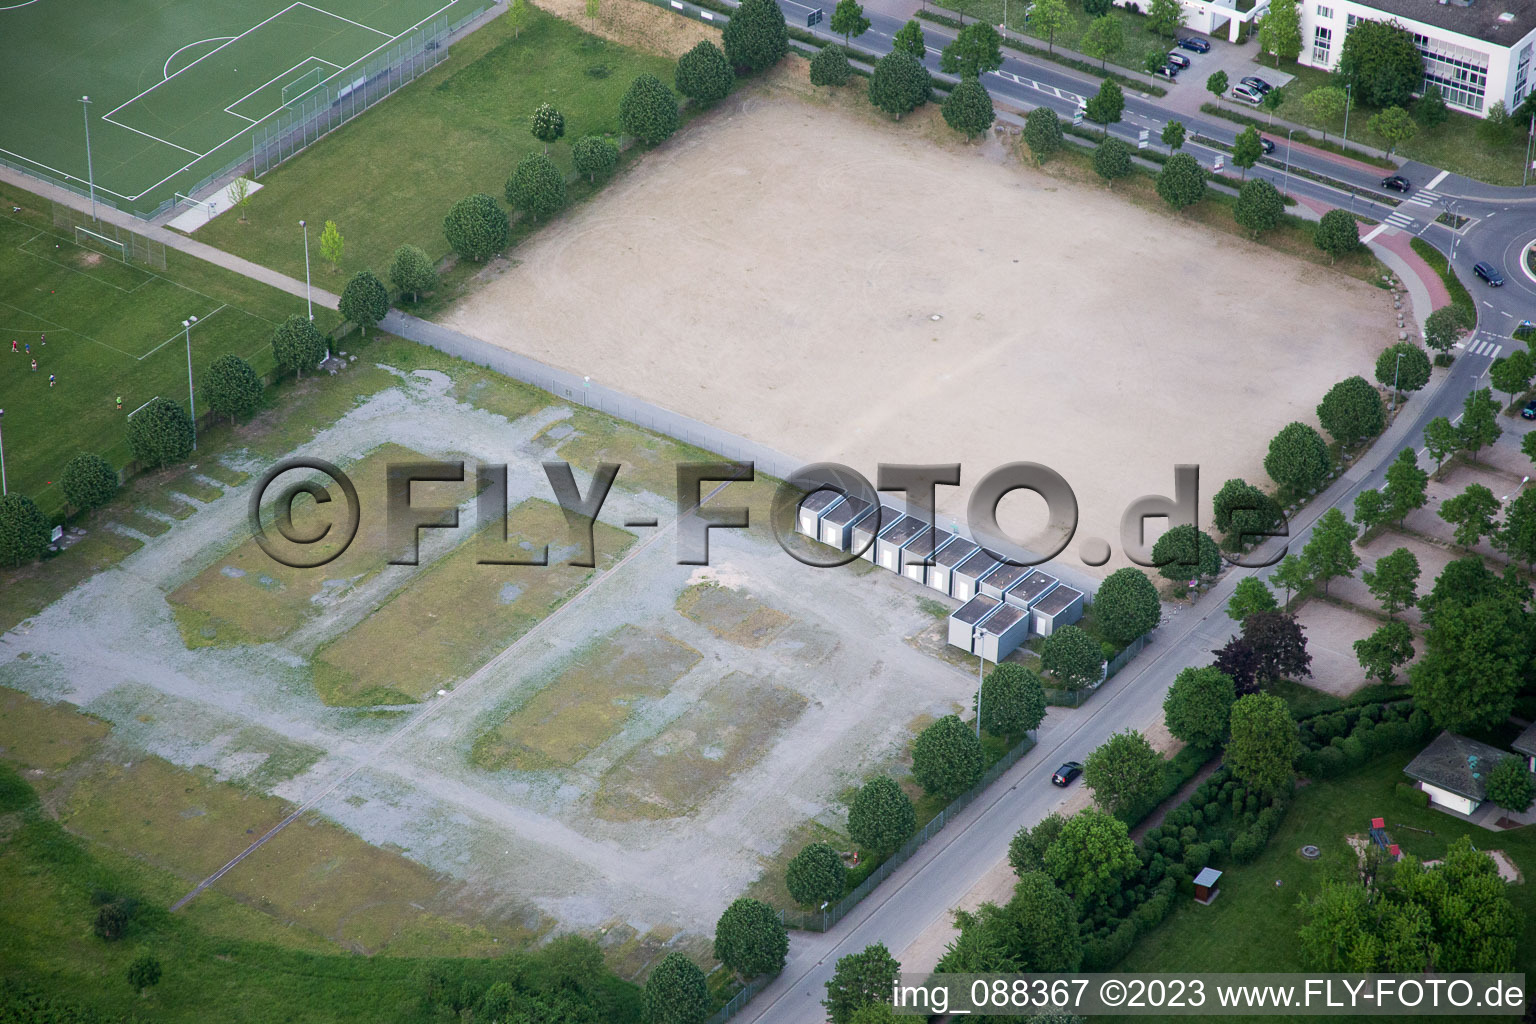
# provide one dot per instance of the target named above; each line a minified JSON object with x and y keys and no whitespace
{"x":1340,"y":741}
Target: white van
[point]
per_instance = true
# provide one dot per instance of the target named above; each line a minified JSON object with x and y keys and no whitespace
{"x":1246,"y":95}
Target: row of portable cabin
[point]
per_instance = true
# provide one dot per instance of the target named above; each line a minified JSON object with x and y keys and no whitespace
{"x":1001,"y":604}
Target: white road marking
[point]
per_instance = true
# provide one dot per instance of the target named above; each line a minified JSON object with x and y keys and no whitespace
{"x":1439,"y":178}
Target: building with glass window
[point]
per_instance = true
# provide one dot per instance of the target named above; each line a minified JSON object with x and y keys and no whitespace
{"x":1476,"y":52}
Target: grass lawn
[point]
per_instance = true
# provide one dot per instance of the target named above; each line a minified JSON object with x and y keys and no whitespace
{"x":1252,"y":926}
{"x":1139,"y":39}
{"x":112,"y":329}
{"x":389,"y":177}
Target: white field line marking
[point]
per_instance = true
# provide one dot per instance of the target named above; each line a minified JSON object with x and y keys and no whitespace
{"x":349,"y":21}
{"x":157,"y":138}
{"x":178,"y":335}
{"x":263,"y":85}
{"x":165,"y":72}
{"x":63,"y":174}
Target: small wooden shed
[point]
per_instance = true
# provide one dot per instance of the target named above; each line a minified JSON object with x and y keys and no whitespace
{"x":1205,"y":886}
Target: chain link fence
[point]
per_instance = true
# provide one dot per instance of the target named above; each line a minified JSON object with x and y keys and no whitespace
{"x":107,"y":237}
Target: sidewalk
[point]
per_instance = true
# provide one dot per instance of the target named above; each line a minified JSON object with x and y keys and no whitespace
{"x":1279,"y":140}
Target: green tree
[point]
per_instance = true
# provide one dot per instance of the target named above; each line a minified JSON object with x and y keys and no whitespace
{"x":547,"y":125}
{"x":874,"y":1013}
{"x":1106,"y":106}
{"x":1181,"y":182}
{"x":1263,"y":748}
{"x":1405,"y":365}
{"x":1112,"y":160}
{"x":1026,"y":851}
{"x":1406,"y":485}
{"x":910,"y":38}
{"x":946,"y":758}
{"x":1382,"y":64}
{"x":899,"y":84}
{"x":704,"y":75}
{"x":1184,"y":553}
{"x":1352,"y":410}
{"x":240,"y":196}
{"x":1395,"y":125}
{"x":594,"y":155}
{"x":750,"y":940}
{"x":1073,"y":657}
{"x":756,"y":37}
{"x":968,"y":108}
{"x":1012,"y":701}
{"x":1385,"y":650}
{"x":296,"y":344}
{"x":231,"y":388}
{"x":1443,"y":328}
{"x":1249,"y":596}
{"x":1472,"y":512}
{"x":23,"y":530}
{"x":1371,"y":510}
{"x":1105,"y":38}
{"x":1045,"y":932}
{"x":816,"y":875}
{"x":144,"y":972}
{"x":536,"y":186}
{"x":830,"y":67}
{"x":1297,"y":459}
{"x":1097,"y":8}
{"x":1496,"y":128}
{"x":1051,"y":17}
{"x":1330,"y":551}
{"x":411,"y":270}
{"x":161,"y":432}
{"x":976,"y":50}
{"x":1280,"y":31}
{"x":1173,"y":136}
{"x":1325,"y":105}
{"x":1429,"y":109}
{"x":476,"y":227}
{"x":676,"y":992}
{"x":1123,"y":771}
{"x":1216,"y":85}
{"x":848,"y":20}
{"x":1528,"y":446}
{"x":1247,"y":149}
{"x":1337,"y":234}
{"x":1509,"y":784}
{"x":1511,"y":374}
{"x":364,"y":301}
{"x":332,"y":245}
{"x":1394,"y":580}
{"x":1092,"y":855}
{"x":1042,"y":133}
{"x":1471,"y":667}
{"x":881,"y":816}
{"x":1479,"y":424}
{"x":1279,"y":646}
{"x":1198,"y":706}
{"x":517,"y":16}
{"x":1259,"y":208}
{"x":1165,"y":17}
{"x":89,"y":481}
{"x":1517,"y":538}
{"x":858,"y":980}
{"x":1272,"y":101}
{"x":1126,"y":606}
{"x":1242,"y":513}
{"x":1441,"y":440}
{"x":648,"y":110}
{"x":1292,"y":576}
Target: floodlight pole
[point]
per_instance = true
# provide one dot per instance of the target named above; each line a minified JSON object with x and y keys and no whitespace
{"x":90,"y":170}
{"x":308,"y":299}
{"x":3,"y":489}
{"x":191,"y":397}
{"x":1348,"y":96}
{"x":981,"y":663}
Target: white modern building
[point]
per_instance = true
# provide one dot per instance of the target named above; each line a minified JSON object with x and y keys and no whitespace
{"x":1209,"y":16}
{"x":1476,"y":52}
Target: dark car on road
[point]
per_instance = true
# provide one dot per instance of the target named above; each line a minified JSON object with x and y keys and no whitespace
{"x":1257,"y":84}
{"x":1488,"y":272}
{"x":1268,"y":145}
{"x":1529,"y":412}
{"x":1196,"y":44}
{"x":1397,"y":183}
{"x":1178,"y":60}
{"x":1067,"y":772}
{"x":1167,"y":71}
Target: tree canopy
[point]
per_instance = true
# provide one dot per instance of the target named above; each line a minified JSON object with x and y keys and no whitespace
{"x":756,"y":37}
{"x":23,"y":530}
{"x":1264,"y":747}
{"x":899,"y":84}
{"x":231,"y":387}
{"x":1381,"y":64}
{"x":703,"y":74}
{"x":1198,"y":706}
{"x":1126,"y":606}
{"x":881,"y":816}
{"x":476,"y":227}
{"x":1073,"y":657}
{"x":750,"y":939}
{"x":1298,"y":458}
{"x":364,"y":301}
{"x":161,"y":432}
{"x":1181,"y":182}
{"x":648,"y":110}
{"x":946,"y":758}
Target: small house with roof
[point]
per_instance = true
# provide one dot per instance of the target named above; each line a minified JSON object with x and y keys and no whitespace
{"x":941,"y":573}
{"x":1453,"y":770}
{"x":1525,"y":746}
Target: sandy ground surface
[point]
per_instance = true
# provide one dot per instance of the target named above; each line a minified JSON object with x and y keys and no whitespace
{"x":1331,"y":633}
{"x":777,"y":270}
{"x":637,"y":24}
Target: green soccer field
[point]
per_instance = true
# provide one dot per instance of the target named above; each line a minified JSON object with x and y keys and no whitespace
{"x":178,"y":87}
{"x":111,"y":329}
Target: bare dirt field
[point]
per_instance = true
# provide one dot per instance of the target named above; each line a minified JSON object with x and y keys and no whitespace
{"x":1331,"y":633}
{"x":845,"y":289}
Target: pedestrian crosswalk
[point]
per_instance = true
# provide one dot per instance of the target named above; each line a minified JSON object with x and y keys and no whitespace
{"x":1481,"y":347}
{"x":1399,"y":220}
{"x":1423,"y":197}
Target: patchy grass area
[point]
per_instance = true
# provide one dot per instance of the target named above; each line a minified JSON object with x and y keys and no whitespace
{"x":1227,"y":936}
{"x":649,"y":460}
{"x":385,"y":181}
{"x":34,"y":734}
{"x":731,"y":614}
{"x":31,"y":588}
{"x":588,"y":700}
{"x":458,"y":614}
{"x":722,"y":733}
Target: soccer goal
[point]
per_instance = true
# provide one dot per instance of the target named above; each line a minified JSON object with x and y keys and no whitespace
{"x":97,"y":242}
{"x":296,"y":91}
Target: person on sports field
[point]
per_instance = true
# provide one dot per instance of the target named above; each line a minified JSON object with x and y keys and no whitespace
{"x":50,"y":380}
{"x":119,"y":403}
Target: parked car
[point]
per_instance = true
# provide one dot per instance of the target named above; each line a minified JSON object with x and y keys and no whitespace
{"x":1397,"y":183}
{"x":1178,"y":60}
{"x":1067,"y":772}
{"x":1529,"y":411}
{"x":1257,"y":84}
{"x":1196,"y":44}
{"x":1246,"y":95}
{"x":1268,"y":145}
{"x":1488,"y":272}
{"x":1167,"y":71}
